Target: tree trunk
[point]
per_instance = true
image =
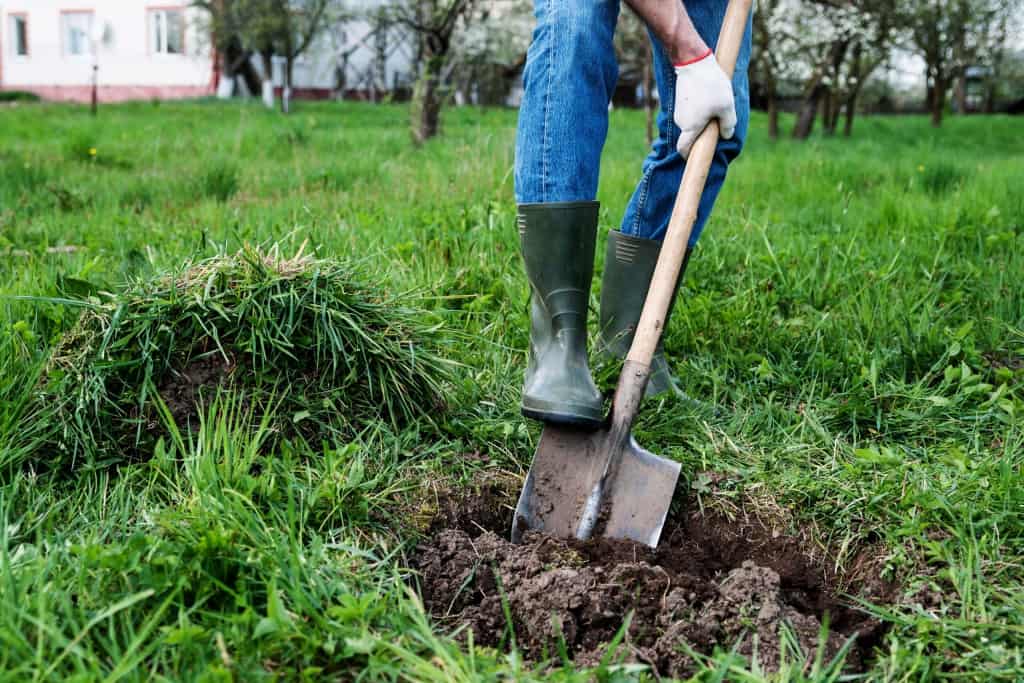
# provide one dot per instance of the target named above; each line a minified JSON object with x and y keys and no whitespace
{"x":286,"y":87}
{"x":230,"y":59}
{"x":990,"y":98}
{"x":248,"y":72}
{"x":851,"y":111}
{"x":225,"y":75}
{"x":341,"y":78}
{"x":960,"y":92}
{"x":427,"y":101}
{"x":380,"y":57}
{"x":815,"y":90}
{"x":938,"y":103}
{"x":808,"y":112}
{"x":94,"y":104}
{"x":226,"y":86}
{"x":837,"y":110}
{"x":828,"y":104}
{"x":267,"y":87}
{"x":771,"y":97}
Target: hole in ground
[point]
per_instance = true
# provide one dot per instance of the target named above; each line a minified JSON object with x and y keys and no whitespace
{"x":715,"y":581}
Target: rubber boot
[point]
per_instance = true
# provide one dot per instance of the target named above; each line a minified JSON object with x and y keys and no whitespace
{"x":628,"y":269}
{"x":558,"y":242}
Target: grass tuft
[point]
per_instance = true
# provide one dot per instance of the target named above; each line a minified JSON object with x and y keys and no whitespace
{"x":299,"y":337}
{"x":941,"y":178}
{"x":219,"y":181}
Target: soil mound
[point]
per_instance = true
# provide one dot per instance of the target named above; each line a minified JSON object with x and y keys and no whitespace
{"x":713,"y":582}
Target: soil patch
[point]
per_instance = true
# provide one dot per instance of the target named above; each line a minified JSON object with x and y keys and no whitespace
{"x":183,"y":390}
{"x":714,"y":582}
{"x":1006,"y":360}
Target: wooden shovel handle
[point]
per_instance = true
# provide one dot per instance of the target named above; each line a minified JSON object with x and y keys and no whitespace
{"x":684,"y":213}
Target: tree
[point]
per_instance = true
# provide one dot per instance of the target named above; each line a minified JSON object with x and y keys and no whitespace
{"x":1004,"y":80}
{"x":850,"y":39}
{"x":435,"y":23}
{"x":491,"y":49}
{"x":268,"y":28}
{"x":224,"y":21}
{"x":766,"y":62}
{"x":282,"y":28}
{"x":870,"y":43}
{"x":950,"y":36}
{"x":996,"y":58}
{"x":301,"y":23}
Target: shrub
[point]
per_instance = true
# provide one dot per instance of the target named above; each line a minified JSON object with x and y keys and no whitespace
{"x":18,"y":96}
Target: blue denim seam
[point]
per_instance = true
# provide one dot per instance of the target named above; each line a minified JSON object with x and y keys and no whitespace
{"x":552,"y":7}
{"x":645,"y":183}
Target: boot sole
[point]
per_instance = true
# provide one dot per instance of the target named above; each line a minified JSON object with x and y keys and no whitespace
{"x":576,"y":416}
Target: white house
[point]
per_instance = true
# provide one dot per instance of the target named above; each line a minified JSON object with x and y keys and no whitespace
{"x":144,"y":49}
{"x":139,"y":49}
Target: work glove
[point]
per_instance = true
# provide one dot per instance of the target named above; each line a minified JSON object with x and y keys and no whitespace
{"x":703,"y":92}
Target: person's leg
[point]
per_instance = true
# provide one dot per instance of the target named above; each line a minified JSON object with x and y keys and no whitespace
{"x":648,"y":212}
{"x":568,"y":81}
{"x":563,"y":121}
{"x":632,"y":253}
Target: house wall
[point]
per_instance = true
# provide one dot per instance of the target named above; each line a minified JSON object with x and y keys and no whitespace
{"x":128,"y":66}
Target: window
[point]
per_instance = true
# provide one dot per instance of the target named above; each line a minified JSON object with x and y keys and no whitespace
{"x":19,"y":35}
{"x":77,"y":30}
{"x":167,"y":31}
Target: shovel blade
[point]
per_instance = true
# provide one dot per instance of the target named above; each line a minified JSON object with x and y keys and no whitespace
{"x":639,"y":495}
{"x":566,"y":470}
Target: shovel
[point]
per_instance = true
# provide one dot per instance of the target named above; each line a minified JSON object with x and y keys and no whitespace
{"x":602,"y":482}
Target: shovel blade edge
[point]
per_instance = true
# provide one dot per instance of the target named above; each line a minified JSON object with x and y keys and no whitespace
{"x":568,"y":465}
{"x":565,"y":470}
{"x":639,"y":495}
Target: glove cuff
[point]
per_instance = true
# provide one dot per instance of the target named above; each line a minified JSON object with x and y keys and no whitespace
{"x":688,"y":62}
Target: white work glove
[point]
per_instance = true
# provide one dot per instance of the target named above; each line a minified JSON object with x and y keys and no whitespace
{"x":703,"y":92}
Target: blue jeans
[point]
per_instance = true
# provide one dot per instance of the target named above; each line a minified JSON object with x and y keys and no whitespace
{"x":570,"y":75}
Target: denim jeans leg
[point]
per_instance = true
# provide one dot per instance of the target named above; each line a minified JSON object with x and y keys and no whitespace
{"x":650,"y":208}
{"x":569,"y":79}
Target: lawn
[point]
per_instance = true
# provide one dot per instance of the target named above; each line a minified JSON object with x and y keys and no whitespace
{"x":854,"y":310}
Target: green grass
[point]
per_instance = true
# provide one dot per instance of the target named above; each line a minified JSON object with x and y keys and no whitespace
{"x":855,"y":307}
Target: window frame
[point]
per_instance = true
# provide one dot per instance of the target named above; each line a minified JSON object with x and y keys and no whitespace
{"x":12,"y":17}
{"x":152,"y":12}
{"x":64,"y":46}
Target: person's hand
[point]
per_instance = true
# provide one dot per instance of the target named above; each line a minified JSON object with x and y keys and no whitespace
{"x":703,"y":92}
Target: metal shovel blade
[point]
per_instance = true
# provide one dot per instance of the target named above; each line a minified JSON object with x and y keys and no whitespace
{"x":567,"y":467}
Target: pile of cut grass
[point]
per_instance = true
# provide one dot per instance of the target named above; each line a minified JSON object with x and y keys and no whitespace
{"x":303,"y":338}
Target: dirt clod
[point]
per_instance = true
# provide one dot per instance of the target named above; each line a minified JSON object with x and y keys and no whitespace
{"x":714,"y":582}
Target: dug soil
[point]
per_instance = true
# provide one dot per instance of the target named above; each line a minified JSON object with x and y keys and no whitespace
{"x":715,"y":581}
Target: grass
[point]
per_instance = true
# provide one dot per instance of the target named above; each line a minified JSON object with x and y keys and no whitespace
{"x":300,"y":338}
{"x":854,"y":307}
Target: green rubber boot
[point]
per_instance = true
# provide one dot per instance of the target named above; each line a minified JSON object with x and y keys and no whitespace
{"x":628,"y":269}
{"x":558,"y":242}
